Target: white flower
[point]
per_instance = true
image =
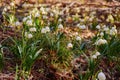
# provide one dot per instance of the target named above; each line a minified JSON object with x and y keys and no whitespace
{"x":93,"y":56}
{"x":42,"y":9}
{"x":113,"y":31}
{"x":98,"y":27}
{"x":37,"y":14}
{"x":43,"y":30}
{"x":82,"y":27}
{"x":60,"y":26}
{"x":60,"y":20}
{"x":100,"y":42}
{"x":101,"y":34}
{"x":29,"y":22}
{"x":32,"y":29}
{"x":17,"y":23}
{"x":106,"y":29}
{"x":78,"y":38}
{"x":51,"y":14}
{"x":28,"y":35}
{"x":24,"y":19}
{"x":78,"y":25}
{"x":47,"y":9}
{"x":101,"y":76}
{"x":47,"y":29}
{"x":45,"y":17}
{"x":70,"y":45}
{"x":97,"y":53}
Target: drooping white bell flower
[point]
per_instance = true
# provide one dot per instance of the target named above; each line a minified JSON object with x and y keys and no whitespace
{"x":70,"y":45}
{"x":101,"y":76}
{"x":47,"y":29}
{"x":98,"y":27}
{"x":101,"y":34}
{"x":29,"y":22}
{"x":60,"y":26}
{"x":97,"y":53}
{"x":94,"y":57}
{"x":43,"y":30}
{"x":82,"y":27}
{"x":33,"y":29}
{"x":78,"y":38}
{"x":28,"y":35}
{"x":17,"y":23}
{"x":100,"y":42}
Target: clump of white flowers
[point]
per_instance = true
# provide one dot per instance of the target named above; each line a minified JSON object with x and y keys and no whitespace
{"x":69,"y":45}
{"x":95,"y":55}
{"x":33,"y":29}
{"x":100,"y":42}
{"x":45,"y":30}
{"x":43,"y":10}
{"x":113,"y":31}
{"x":101,"y":76}
{"x":28,"y":35}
